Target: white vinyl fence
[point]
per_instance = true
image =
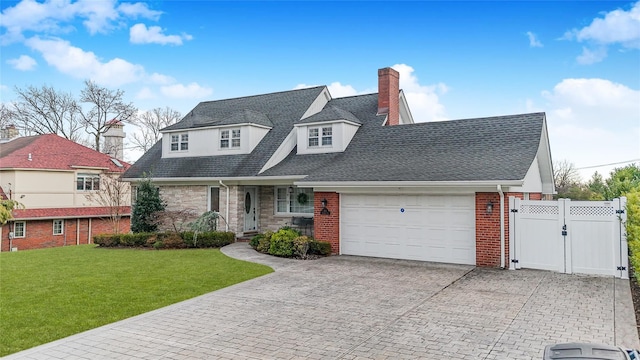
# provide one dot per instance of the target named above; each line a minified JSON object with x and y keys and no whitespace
{"x":586,"y":237}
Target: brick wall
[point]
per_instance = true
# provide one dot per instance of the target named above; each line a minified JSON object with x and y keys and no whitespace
{"x":327,"y":227}
{"x":535,"y":196}
{"x":39,"y":233}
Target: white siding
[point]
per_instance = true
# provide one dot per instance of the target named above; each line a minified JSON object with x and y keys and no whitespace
{"x":206,"y":142}
{"x":342,"y":133}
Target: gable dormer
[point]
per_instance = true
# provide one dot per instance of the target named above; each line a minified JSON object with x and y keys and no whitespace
{"x":327,"y":131}
{"x":238,"y":133}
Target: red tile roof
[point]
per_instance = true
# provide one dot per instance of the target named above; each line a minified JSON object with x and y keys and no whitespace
{"x":51,"y":151}
{"x":67,"y":213}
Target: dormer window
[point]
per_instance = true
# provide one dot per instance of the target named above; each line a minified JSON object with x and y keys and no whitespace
{"x":320,"y":135}
{"x":230,"y":138}
{"x":180,"y":142}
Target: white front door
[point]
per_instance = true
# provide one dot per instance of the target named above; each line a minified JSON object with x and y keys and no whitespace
{"x":250,"y":202}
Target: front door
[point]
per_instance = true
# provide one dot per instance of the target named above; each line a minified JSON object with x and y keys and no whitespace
{"x":250,"y":202}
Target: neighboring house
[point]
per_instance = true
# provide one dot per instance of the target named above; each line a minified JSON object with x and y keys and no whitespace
{"x":62,"y":187}
{"x":374,"y":182}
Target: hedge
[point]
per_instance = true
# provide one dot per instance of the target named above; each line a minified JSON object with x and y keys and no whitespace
{"x":633,"y":229}
{"x":167,"y":240}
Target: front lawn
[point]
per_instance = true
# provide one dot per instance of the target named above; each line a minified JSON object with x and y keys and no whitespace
{"x":49,"y":294}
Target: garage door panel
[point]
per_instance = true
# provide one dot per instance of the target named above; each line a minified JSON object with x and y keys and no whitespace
{"x":431,"y":228}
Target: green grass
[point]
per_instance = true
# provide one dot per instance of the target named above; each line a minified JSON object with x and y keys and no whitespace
{"x":49,"y":294}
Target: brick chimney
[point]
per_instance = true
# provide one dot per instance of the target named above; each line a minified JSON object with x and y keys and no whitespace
{"x":388,"y":93}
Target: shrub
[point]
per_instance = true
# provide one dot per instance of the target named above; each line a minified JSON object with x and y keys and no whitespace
{"x":106,"y":240}
{"x":317,"y":247}
{"x":255,"y":240}
{"x":215,"y":239}
{"x":264,"y":244}
{"x":633,"y":229}
{"x":169,"y":240}
{"x":173,"y":241}
{"x":282,"y":242}
{"x":301,"y":246}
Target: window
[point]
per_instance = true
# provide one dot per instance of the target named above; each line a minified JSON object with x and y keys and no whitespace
{"x":214,"y":199}
{"x":58,"y":227}
{"x":290,"y":200}
{"x":233,"y":135}
{"x":88,"y":182}
{"x":180,"y":142}
{"x":19,"y":229}
{"x":315,"y":139}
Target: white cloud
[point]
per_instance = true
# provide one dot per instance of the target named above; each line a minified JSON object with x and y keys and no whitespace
{"x":140,"y":34}
{"x":423,"y":100}
{"x":55,"y":16}
{"x":135,"y":10}
{"x":592,"y":56}
{"x":615,"y":27}
{"x":82,"y":64}
{"x":533,"y":40}
{"x":145,"y":94}
{"x":336,"y":89}
{"x":593,"y":122}
{"x":23,"y":63}
{"x":193,"y":90}
{"x":161,"y":79}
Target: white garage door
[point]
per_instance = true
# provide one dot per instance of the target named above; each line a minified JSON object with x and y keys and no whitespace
{"x":413,"y":227}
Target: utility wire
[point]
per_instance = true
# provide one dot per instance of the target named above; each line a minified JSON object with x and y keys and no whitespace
{"x":615,"y":163}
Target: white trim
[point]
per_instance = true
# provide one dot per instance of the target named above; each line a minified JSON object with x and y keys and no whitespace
{"x":24,"y":229}
{"x":288,"y":200}
{"x":257,"y":179}
{"x":230,"y":138}
{"x":283,"y":150}
{"x":53,"y":223}
{"x":179,"y":142}
{"x":320,"y":123}
{"x":216,"y":127}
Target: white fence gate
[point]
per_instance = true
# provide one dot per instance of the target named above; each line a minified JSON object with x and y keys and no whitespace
{"x":586,"y":237}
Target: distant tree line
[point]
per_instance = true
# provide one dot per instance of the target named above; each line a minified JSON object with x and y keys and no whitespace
{"x":85,"y":119}
{"x":620,"y":182}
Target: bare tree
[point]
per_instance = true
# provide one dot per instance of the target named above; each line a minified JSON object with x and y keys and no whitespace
{"x":150,"y":124}
{"x":115,"y":195}
{"x":104,"y":105}
{"x":47,"y":111}
{"x":7,"y":117}
{"x":565,"y":176}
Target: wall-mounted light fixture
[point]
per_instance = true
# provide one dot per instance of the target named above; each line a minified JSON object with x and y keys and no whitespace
{"x":489,"y":207}
{"x":290,"y":189}
{"x":324,"y":210}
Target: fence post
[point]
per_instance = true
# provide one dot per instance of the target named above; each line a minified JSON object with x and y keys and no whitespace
{"x":621,"y":204}
{"x":512,"y":232}
{"x":564,"y":219}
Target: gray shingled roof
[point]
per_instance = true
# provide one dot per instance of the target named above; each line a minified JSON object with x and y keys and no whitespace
{"x":282,"y":109}
{"x":494,"y":148}
{"x":329,"y":113}
{"x":482,"y":149}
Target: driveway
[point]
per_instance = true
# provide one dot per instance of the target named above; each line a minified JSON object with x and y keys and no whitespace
{"x":362,"y":308}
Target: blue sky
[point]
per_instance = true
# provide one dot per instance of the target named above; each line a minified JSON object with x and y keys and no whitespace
{"x":577,"y":61}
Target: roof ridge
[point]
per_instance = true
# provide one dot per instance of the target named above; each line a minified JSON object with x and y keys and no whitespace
{"x":256,"y":95}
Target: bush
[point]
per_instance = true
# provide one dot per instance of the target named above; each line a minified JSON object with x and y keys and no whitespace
{"x":301,"y":246}
{"x":264,"y":243}
{"x":282,"y":242}
{"x":173,"y":241}
{"x":633,"y":229}
{"x":317,"y":247}
{"x":106,"y":240}
{"x":255,"y":241}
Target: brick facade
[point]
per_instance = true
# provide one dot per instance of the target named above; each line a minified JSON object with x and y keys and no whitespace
{"x":185,"y":197}
{"x":488,"y":227}
{"x":268,"y":220}
{"x":327,"y":227}
{"x":39,"y":233}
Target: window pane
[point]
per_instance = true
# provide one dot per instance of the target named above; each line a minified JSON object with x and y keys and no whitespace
{"x":313,"y":142}
{"x":326,"y":140}
{"x":96,"y":183}
{"x":326,"y":131}
{"x":80,"y":183}
{"x":184,"y":146}
{"x":224,"y":143}
{"x":88,"y":183}
{"x":296,"y":206}
{"x":313,"y":132}
{"x":235,"y":142}
{"x":214,"y":203}
{"x":174,"y":147}
{"x":236,"y":133}
{"x":282,"y":204}
{"x":224,"y":134}
{"x":174,"y":138}
{"x":18,"y":229}
{"x":185,"y":137}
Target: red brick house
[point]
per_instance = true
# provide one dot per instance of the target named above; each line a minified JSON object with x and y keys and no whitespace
{"x":370,"y":179}
{"x":61,"y":185}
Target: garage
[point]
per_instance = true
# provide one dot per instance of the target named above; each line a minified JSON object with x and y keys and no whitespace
{"x":410,"y":226}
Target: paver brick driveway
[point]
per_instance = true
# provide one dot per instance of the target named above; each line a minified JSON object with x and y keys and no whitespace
{"x":361,"y":308}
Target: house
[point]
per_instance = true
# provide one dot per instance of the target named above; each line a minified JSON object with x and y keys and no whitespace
{"x":374,"y":182}
{"x":62,"y":186}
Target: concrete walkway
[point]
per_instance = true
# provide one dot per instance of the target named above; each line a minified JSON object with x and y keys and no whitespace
{"x":345,"y":307}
